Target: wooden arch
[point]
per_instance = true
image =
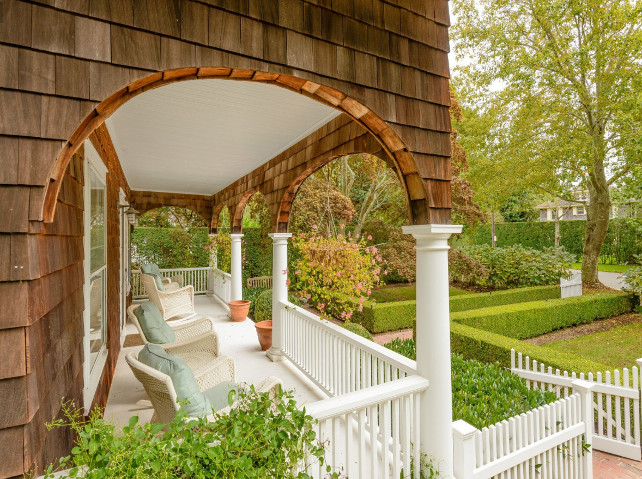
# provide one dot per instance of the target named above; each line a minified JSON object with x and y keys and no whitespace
{"x":236,"y":222}
{"x":384,"y":134}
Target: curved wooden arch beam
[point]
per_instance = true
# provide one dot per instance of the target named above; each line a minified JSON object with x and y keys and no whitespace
{"x":237,"y":221}
{"x":384,"y":134}
{"x":145,"y":201}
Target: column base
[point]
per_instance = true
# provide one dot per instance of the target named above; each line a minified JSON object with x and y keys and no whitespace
{"x":275,"y":355}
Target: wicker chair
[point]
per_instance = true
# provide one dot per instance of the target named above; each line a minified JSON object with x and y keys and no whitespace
{"x":161,"y":392}
{"x":171,"y":303}
{"x":196,"y":341}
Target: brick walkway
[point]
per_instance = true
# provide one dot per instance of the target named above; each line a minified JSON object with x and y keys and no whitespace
{"x":606,"y":466}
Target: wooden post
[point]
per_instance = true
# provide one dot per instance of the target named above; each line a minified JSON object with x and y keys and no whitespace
{"x":464,"y":453}
{"x":585,"y":388}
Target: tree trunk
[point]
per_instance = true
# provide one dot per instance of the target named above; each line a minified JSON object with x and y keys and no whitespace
{"x":492,"y":229}
{"x":558,"y":237}
{"x":597,"y":223}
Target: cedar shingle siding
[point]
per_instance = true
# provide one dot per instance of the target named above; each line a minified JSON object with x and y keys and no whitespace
{"x":60,"y":59}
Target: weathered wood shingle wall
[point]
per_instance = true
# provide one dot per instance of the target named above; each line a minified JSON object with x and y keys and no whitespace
{"x":59,"y":58}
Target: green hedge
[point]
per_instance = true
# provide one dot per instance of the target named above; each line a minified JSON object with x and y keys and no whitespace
{"x":621,"y":245}
{"x":381,"y":317}
{"x":489,"y":347}
{"x":526,"y":320}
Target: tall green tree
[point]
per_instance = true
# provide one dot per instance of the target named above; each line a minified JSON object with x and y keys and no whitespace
{"x":556,"y":84}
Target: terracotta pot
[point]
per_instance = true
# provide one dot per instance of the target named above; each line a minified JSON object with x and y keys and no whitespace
{"x":239,"y":309}
{"x":264,"y":332}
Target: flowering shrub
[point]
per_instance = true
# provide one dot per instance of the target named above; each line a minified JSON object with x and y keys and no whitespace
{"x":223,"y":244}
{"x":517,"y":266}
{"x":344,"y":265}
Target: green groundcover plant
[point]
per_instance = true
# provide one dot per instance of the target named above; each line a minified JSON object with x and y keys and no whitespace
{"x":260,"y":437}
{"x":483,"y":394}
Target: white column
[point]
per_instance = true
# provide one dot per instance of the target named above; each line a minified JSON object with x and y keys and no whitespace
{"x":279,"y":291}
{"x":213,"y":263}
{"x":236,"y":269}
{"x":433,"y":341}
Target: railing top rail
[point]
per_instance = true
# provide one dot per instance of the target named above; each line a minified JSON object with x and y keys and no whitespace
{"x":170,"y":270}
{"x":327,"y":408}
{"x":395,"y":359}
{"x":221,"y":272}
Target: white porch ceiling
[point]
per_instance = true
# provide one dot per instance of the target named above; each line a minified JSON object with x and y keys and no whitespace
{"x":200,"y":136}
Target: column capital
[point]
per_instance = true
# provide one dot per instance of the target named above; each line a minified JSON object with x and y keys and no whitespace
{"x":280,"y":237}
{"x":236,"y":236}
{"x":429,"y":231}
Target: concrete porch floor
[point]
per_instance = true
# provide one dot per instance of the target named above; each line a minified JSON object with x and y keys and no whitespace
{"x":128,"y":398}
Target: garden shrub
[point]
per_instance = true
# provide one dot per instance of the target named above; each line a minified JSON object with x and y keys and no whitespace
{"x":170,"y":247}
{"x":263,"y":305}
{"x":526,"y":320}
{"x":255,"y":440}
{"x":620,"y":246}
{"x":381,"y":317}
{"x":483,"y":394}
{"x":489,"y":347}
{"x":357,"y":329}
{"x":633,"y":278}
{"x":324,"y":267}
{"x":517,"y":266}
{"x":251,"y":294}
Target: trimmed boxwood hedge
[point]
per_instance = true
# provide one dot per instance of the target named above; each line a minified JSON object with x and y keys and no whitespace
{"x":489,"y":347}
{"x":382,"y":317}
{"x":526,"y":320}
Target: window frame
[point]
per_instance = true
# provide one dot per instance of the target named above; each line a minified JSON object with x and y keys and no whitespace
{"x":93,"y":372}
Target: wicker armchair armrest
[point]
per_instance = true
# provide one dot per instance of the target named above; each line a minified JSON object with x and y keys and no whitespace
{"x":177,"y":278}
{"x":219,"y":370}
{"x":193,"y":328}
{"x":207,"y":343}
{"x":189,"y":289}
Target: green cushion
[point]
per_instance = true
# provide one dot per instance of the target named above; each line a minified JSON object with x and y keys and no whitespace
{"x":159,"y":282}
{"x":182,"y":378}
{"x":150,"y":268}
{"x":154,"y":327}
{"x":219,"y":395}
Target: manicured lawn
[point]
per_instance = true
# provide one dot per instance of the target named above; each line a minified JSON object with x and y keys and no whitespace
{"x":619,"y":347}
{"x":404,"y":292}
{"x":608,"y":268}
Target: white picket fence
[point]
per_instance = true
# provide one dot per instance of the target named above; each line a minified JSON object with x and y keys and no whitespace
{"x":571,"y":286}
{"x":197,"y":277}
{"x":616,"y":403}
{"x":551,"y":442}
{"x":221,"y":284}
{"x":335,"y":359}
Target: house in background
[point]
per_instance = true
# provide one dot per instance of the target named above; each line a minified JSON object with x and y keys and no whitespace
{"x":576,"y":210}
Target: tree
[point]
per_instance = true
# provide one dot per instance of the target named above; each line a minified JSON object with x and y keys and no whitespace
{"x":171,"y":217}
{"x":557,"y":84}
{"x":518,"y":207}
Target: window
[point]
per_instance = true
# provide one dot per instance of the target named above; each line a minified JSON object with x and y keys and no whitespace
{"x":95,"y":264}
{"x":579,"y":210}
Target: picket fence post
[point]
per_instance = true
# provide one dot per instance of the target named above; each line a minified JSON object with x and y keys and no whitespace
{"x":585,"y":389}
{"x":464,"y":453}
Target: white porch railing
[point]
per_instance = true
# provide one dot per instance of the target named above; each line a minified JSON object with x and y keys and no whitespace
{"x":221,"y":284}
{"x":204,"y":280}
{"x":372,"y":433}
{"x":335,"y":359}
{"x":549,"y":442}
{"x":616,"y":402}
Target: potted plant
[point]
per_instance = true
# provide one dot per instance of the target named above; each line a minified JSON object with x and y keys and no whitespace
{"x":239,"y":309}
{"x":263,"y":318}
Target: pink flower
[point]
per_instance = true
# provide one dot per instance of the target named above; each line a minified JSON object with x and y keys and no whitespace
{"x":359,"y":286}
{"x":374,"y":262}
{"x":343,"y":314}
{"x":374,"y":250}
{"x":338,"y":274}
{"x":362,"y":299}
{"x":360,"y":307}
{"x":287,"y":282}
{"x":385,"y":273}
{"x":321,"y":306}
{"x":349,"y":315}
{"x":369,"y":238}
{"x":297,"y":272}
{"x":369,"y":292}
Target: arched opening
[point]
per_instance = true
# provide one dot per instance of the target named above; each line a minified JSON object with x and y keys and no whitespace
{"x":171,"y":217}
{"x":344,"y":192}
{"x":384,"y":135}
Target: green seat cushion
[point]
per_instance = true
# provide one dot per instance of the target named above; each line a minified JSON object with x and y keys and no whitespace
{"x":153,"y":270}
{"x":150,"y":268}
{"x":219,"y":395}
{"x":154,"y":327}
{"x":182,"y":378}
